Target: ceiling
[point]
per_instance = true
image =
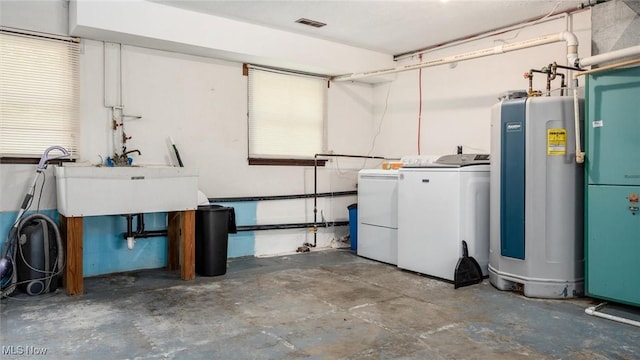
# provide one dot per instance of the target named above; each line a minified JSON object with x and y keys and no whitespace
{"x":392,"y":27}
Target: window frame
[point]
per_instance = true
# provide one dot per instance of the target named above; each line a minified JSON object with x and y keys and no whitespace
{"x":286,"y":160}
{"x":69,"y":86}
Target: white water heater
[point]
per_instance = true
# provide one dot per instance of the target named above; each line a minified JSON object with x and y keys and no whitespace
{"x":537,"y":188}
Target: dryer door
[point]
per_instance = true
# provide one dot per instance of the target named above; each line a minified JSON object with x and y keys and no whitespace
{"x":378,"y":200}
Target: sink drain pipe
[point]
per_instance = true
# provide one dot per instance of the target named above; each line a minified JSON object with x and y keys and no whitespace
{"x":140,"y":232}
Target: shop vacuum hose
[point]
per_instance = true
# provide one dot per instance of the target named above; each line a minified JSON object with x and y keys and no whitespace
{"x":8,"y":266}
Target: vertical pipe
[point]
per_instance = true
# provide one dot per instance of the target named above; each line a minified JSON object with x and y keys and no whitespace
{"x":315,"y":188}
{"x":315,"y":199}
{"x":104,"y":73}
{"x":140,"y":224}
{"x":548,"y":83}
{"x":576,"y":114}
{"x":129,"y":225}
{"x":120,"y":73}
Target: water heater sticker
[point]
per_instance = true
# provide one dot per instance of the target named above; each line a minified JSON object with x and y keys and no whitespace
{"x":597,"y":123}
{"x":556,"y":141}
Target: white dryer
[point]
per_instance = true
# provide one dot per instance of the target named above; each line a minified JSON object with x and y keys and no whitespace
{"x":378,"y":215}
{"x":439,"y":206}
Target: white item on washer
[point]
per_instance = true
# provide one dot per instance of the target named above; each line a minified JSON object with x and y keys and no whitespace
{"x":418,"y":160}
{"x":439,"y":207}
{"x":378,"y":215}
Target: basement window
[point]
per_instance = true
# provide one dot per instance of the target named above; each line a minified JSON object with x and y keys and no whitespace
{"x":286,"y":117}
{"x":39,"y":94}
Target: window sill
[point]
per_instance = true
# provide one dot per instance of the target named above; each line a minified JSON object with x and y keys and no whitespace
{"x":286,"y":162}
{"x":29,"y":160}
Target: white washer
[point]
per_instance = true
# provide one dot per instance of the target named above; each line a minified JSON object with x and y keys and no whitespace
{"x":378,"y":215}
{"x":439,"y":206}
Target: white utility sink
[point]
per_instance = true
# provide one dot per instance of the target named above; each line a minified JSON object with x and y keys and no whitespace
{"x":93,"y":190}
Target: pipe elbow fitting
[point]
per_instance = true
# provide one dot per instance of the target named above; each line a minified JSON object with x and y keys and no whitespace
{"x":570,"y":38}
{"x":590,"y":311}
{"x":572,"y":47}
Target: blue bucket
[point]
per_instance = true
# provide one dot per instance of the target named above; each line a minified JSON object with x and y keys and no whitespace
{"x":353,"y":225}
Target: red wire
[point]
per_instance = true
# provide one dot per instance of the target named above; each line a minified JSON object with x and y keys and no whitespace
{"x":420,"y":106}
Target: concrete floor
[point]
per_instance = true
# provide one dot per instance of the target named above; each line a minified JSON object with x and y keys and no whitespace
{"x":320,"y":305}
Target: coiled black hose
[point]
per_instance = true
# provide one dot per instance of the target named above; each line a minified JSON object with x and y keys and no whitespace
{"x":12,"y":248}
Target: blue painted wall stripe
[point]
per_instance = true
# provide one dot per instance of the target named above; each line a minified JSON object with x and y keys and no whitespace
{"x":105,"y":250}
{"x":242,"y":243}
{"x":7,"y":219}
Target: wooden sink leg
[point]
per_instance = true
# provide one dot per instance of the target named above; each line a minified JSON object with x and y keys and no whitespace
{"x":71,"y":232}
{"x":181,"y":252}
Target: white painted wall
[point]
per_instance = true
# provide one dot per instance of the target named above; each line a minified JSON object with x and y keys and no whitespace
{"x":457,"y":99}
{"x":42,"y":16}
{"x":201,"y":102}
{"x":48,"y":16}
{"x":15,"y":181}
{"x":150,"y":24}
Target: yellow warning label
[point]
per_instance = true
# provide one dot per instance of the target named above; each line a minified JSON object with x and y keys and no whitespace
{"x":556,"y":141}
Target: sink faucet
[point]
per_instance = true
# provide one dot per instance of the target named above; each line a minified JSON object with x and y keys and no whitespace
{"x":123,"y":160}
{"x":131,"y":151}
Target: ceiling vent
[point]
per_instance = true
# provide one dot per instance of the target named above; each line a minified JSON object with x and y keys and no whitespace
{"x":309,"y":22}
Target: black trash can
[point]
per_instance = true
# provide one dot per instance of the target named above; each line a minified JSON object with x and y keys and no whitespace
{"x":213,"y":225}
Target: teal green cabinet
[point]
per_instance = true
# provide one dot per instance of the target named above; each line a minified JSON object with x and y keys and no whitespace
{"x":613,"y":251}
{"x":612,"y":247}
